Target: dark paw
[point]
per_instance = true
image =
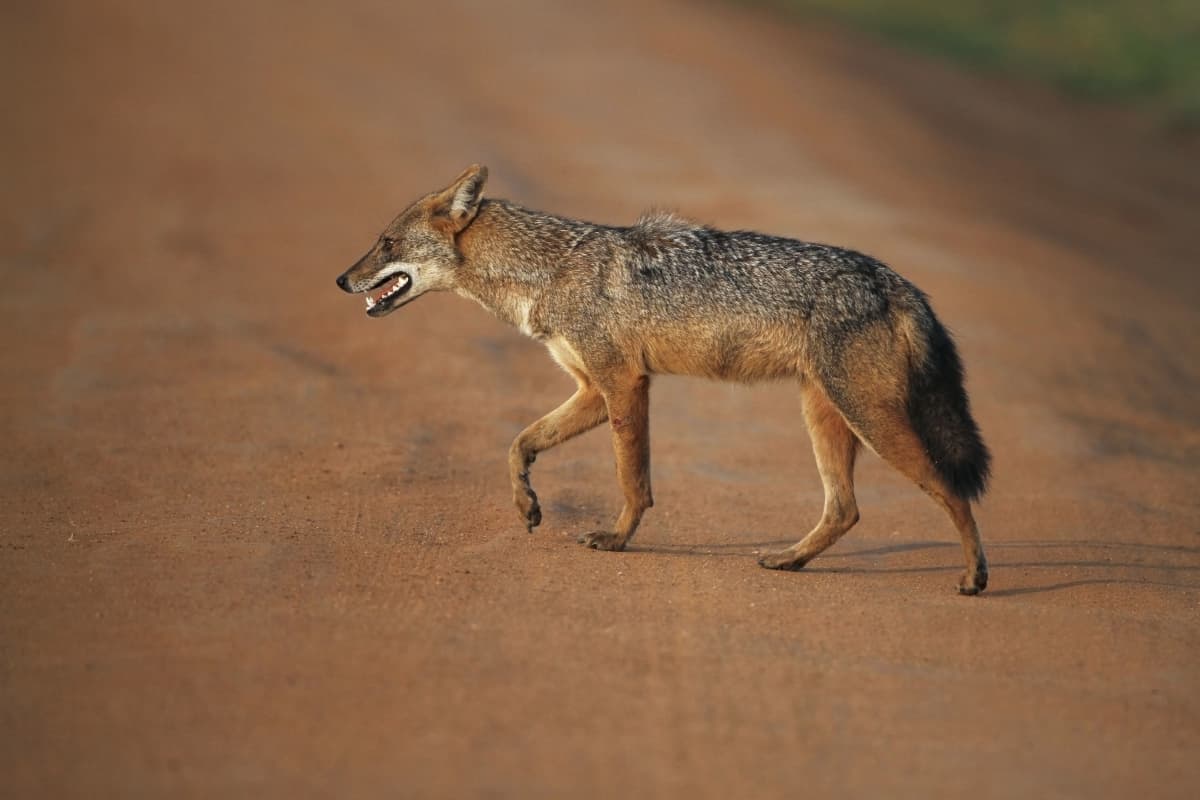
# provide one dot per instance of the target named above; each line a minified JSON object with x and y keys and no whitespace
{"x":527,"y":505}
{"x":602,"y":540}
{"x":784,"y":559}
{"x":971,"y":585}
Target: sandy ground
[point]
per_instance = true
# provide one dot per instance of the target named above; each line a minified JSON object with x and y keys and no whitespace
{"x":255,"y":544}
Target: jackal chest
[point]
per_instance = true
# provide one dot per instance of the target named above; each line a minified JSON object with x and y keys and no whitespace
{"x":521,"y":313}
{"x":565,"y":355}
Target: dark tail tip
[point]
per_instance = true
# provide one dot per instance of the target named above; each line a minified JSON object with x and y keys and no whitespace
{"x":941,"y":415}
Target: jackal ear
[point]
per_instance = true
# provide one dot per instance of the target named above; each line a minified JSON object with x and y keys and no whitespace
{"x":458,"y":203}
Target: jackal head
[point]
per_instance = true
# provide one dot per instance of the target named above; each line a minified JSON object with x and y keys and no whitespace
{"x":418,"y":252}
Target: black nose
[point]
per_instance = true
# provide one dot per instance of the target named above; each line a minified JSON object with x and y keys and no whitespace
{"x":343,"y":283}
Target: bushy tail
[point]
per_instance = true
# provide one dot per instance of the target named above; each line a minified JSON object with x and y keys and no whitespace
{"x":941,"y":414}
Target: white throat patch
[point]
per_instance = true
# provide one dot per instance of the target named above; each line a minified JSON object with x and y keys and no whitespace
{"x":521,"y":309}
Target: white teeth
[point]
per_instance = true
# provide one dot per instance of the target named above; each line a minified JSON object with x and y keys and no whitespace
{"x":400,"y":283}
{"x":397,"y":286}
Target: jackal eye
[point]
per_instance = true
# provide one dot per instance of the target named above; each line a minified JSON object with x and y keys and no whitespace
{"x":387,"y":242}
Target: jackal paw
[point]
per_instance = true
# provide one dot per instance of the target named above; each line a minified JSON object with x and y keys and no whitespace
{"x":784,"y":559}
{"x":527,"y":504}
{"x":970,"y":584}
{"x":602,"y":540}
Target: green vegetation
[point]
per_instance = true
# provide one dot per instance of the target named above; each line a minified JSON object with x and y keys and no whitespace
{"x":1147,"y":51}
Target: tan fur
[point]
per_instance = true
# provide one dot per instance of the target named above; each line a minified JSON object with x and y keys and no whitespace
{"x":835,"y":447}
{"x":615,"y":306}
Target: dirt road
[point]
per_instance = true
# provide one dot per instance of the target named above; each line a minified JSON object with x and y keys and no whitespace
{"x":255,"y":544}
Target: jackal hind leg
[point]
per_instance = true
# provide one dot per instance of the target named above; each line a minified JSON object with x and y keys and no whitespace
{"x":583,"y":411}
{"x":835,"y":447}
{"x":887,"y":429}
{"x":628,"y":401}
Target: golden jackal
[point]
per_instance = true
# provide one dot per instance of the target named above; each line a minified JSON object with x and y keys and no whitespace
{"x":615,"y":305}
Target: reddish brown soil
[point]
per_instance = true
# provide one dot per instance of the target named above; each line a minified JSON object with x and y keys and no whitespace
{"x":257,"y":544}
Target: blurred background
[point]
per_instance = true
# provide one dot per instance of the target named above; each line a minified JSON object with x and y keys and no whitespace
{"x":1116,"y":50}
{"x":253,"y":543}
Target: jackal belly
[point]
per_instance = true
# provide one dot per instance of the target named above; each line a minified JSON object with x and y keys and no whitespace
{"x":726,"y":352}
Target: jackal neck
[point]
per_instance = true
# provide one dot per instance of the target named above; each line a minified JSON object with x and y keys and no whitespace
{"x":511,"y":255}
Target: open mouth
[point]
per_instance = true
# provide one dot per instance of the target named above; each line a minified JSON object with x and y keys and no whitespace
{"x":393,"y":290}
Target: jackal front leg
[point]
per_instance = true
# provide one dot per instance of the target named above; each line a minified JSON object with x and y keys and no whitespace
{"x":583,"y":411}
{"x":629,"y":415}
